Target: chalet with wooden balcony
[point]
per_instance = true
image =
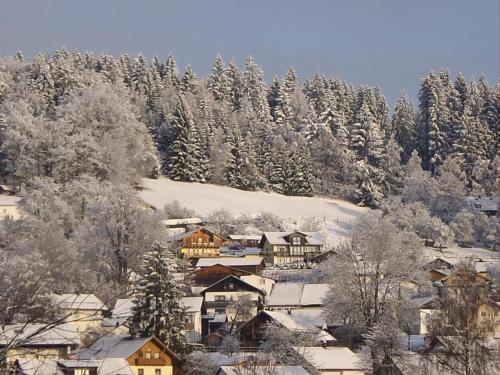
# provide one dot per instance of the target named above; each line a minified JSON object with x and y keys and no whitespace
{"x":289,"y":247}
{"x":199,"y":243}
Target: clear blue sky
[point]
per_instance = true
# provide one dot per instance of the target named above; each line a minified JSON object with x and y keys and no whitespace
{"x":392,"y":43}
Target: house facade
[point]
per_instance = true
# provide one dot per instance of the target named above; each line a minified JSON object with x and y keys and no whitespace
{"x":9,"y":207}
{"x":84,"y":310}
{"x":224,"y":293}
{"x":289,"y":247}
{"x":199,"y":243}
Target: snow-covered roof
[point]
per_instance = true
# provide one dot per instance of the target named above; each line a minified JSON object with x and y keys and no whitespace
{"x":9,"y":200}
{"x":285,"y":294}
{"x":197,"y":290}
{"x":181,"y":236}
{"x":78,"y":302}
{"x":313,"y":294}
{"x":230,"y":261}
{"x":121,"y":346}
{"x":288,"y":321}
{"x":244,"y":237}
{"x":263,"y":370}
{"x":297,"y":294}
{"x":332,"y":358}
{"x":185,"y":221}
{"x":38,"y":335}
{"x":278,"y":238}
{"x":219,"y":359}
{"x":108,"y":366}
{"x":313,"y":317}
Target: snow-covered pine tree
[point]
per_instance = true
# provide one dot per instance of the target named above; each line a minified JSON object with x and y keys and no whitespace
{"x":256,"y":90}
{"x":235,"y":85}
{"x":404,"y":127}
{"x":178,"y":165}
{"x":217,"y":82}
{"x":171,"y":73}
{"x":158,"y":310}
{"x":189,"y":81}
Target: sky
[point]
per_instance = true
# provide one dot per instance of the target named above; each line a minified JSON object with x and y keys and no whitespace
{"x":389,"y":43}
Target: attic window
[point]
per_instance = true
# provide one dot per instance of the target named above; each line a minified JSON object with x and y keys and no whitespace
{"x":296,"y":240}
{"x":231,"y":285}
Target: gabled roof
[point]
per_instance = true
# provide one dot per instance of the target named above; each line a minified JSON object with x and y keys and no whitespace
{"x":230,"y":261}
{"x":224,"y":266}
{"x":297,"y":294}
{"x":285,"y":294}
{"x":332,"y":358}
{"x":236,"y":280}
{"x":192,"y":304}
{"x":122,"y":346}
{"x":39,"y":335}
{"x":78,"y":302}
{"x":279,"y":238}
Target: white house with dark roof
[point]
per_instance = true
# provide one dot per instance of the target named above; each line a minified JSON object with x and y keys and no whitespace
{"x":289,"y":247}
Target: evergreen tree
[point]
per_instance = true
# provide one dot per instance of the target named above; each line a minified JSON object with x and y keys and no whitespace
{"x":217,"y":82}
{"x":158,"y":310}
{"x":188,"y":81}
{"x":256,"y":90}
{"x":404,"y":127}
{"x":171,"y":73}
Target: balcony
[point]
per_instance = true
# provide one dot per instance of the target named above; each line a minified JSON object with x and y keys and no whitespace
{"x":150,"y":362}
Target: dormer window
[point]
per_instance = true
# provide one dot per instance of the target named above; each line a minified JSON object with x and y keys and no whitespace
{"x":296,"y":240}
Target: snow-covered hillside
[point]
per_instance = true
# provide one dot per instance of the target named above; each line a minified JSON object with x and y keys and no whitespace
{"x":335,"y":217}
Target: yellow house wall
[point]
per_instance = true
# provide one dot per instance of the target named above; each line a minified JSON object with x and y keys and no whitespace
{"x":150,"y":370}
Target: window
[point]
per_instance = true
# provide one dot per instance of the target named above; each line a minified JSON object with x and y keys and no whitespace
{"x":220,"y":298}
{"x":140,"y":371}
{"x":157,"y":371}
{"x":148,"y":355}
{"x":231,"y":285}
{"x":296,"y":240}
{"x":82,"y":371}
{"x":156,"y":355}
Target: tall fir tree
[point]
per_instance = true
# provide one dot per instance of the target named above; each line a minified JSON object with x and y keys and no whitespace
{"x":404,"y":126}
{"x":157,"y":306}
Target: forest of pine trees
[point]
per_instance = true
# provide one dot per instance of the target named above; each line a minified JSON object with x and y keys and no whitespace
{"x":72,"y":114}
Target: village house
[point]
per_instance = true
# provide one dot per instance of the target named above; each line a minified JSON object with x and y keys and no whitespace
{"x":488,"y":205}
{"x":9,"y":207}
{"x":333,"y":360}
{"x":220,"y":296}
{"x":289,"y":247}
{"x":199,"y":243}
{"x":38,"y":341}
{"x":252,"y":332}
{"x":253,"y":265}
{"x":129,"y":355}
{"x":84,"y":310}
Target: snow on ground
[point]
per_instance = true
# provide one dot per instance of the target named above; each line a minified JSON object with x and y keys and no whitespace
{"x":335,"y":217}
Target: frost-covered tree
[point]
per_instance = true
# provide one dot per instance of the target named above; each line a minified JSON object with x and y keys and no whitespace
{"x":403,"y":126}
{"x":157,"y":308}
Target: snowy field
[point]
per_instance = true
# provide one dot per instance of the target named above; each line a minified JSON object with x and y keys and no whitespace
{"x":335,"y":217}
